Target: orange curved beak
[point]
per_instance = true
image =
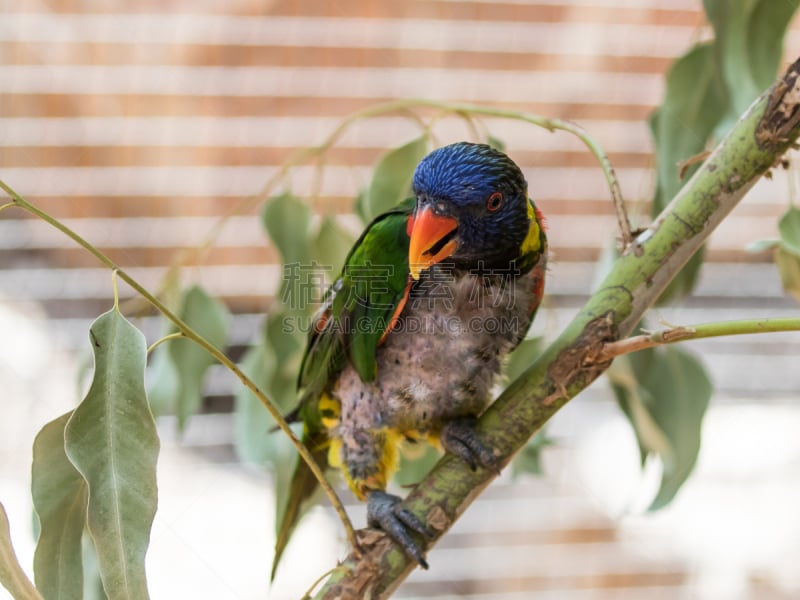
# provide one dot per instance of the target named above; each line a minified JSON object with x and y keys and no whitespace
{"x":431,"y":240}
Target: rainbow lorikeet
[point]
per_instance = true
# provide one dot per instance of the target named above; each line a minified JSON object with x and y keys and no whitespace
{"x":411,"y":337}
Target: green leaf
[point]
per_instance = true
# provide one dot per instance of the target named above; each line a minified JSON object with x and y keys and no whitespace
{"x":762,"y":245}
{"x":632,"y":396}
{"x":391,"y":181}
{"x":60,"y":500}
{"x":749,"y":44}
{"x":766,"y":32}
{"x":111,"y":439}
{"x":252,"y":421}
{"x":162,"y":381}
{"x":286,"y":334}
{"x":287,"y":220}
{"x":789,"y":229}
{"x":683,"y":283}
{"x":522,"y":357}
{"x":664,"y":392}
{"x":331,"y":246}
{"x":272,"y":364}
{"x":694,"y":104}
{"x":12,"y":576}
{"x":210,"y":318}
{"x":360,"y":207}
{"x":766,"y":35}
{"x":788,"y":265}
{"x":787,"y":254}
{"x":529,"y":459}
{"x":731,"y":40}
{"x":416,"y":461}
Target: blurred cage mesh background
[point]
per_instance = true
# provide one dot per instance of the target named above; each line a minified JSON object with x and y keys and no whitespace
{"x":141,"y":125}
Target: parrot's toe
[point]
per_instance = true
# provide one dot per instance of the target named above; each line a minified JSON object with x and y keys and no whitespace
{"x":458,"y":437}
{"x":385,"y":511}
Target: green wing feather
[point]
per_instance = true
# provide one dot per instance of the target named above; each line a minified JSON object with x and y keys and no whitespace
{"x":375,"y":283}
{"x":356,"y":312}
{"x":359,"y":306}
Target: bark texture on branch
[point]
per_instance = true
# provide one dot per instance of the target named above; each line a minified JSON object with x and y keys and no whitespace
{"x":573,"y":361}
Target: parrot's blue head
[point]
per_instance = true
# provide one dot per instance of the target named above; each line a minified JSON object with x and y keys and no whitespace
{"x":472,"y":209}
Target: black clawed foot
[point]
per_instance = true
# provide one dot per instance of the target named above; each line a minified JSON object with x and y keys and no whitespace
{"x":385,"y":511}
{"x":459,"y":438}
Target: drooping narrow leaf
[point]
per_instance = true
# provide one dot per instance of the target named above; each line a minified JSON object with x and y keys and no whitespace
{"x":252,"y":421}
{"x":681,"y":416}
{"x":308,"y":257}
{"x":180,"y":365}
{"x":766,"y":33}
{"x":286,"y":334}
{"x":272,"y":364}
{"x":391,"y":181}
{"x":633,"y":399}
{"x":522,"y":357}
{"x":694,"y":102}
{"x":665,"y":394}
{"x":331,"y":246}
{"x":789,"y":228}
{"x":111,"y":439}
{"x":529,"y":459}
{"x":60,"y":500}
{"x":416,"y":461}
{"x":287,"y":220}
{"x":707,"y":88}
{"x":12,"y":577}
{"x":733,"y":54}
{"x":749,"y":44}
{"x":788,"y":264}
{"x":762,"y":245}
{"x":210,"y":318}
{"x":360,"y":206}
{"x":162,"y":382}
{"x":693,"y":106}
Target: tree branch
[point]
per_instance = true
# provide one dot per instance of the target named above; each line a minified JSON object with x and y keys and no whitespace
{"x":575,"y":359}
{"x":684,"y":333}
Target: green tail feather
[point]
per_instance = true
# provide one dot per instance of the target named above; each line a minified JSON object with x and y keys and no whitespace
{"x":301,"y":489}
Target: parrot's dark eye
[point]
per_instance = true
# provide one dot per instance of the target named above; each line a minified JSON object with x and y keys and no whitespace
{"x":495,"y":201}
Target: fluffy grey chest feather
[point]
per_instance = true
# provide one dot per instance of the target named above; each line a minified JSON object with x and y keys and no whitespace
{"x":442,"y":359}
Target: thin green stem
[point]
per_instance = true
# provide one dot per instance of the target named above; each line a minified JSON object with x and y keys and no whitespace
{"x":172,"y":336}
{"x":470,"y":123}
{"x":405,"y":107}
{"x":745,"y":327}
{"x":300,"y":156}
{"x":114,"y":285}
{"x":191,"y":334}
{"x":550,"y":124}
{"x":696,"y":332}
